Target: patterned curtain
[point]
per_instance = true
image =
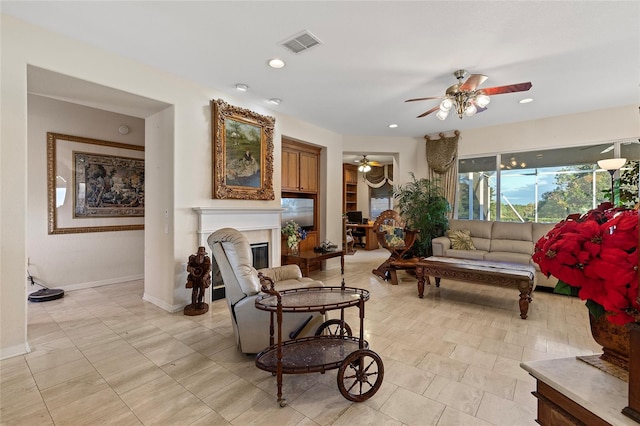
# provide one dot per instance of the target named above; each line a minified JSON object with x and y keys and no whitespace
{"x":379,"y":175}
{"x":442,"y":164}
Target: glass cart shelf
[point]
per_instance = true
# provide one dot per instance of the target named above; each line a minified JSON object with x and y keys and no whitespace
{"x":360,"y":369}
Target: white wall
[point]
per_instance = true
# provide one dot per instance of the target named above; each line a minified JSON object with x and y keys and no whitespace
{"x":183,"y":136}
{"x":75,"y":260}
{"x":587,"y":128}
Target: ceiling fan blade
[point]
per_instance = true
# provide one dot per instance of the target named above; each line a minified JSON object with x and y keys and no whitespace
{"x":425,"y":99}
{"x":435,"y":108}
{"x":473,"y":82}
{"x":520,"y":87}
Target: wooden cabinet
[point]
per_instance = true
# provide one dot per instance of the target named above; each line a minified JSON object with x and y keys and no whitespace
{"x":299,"y":167}
{"x":571,"y":392}
{"x":290,"y":170}
{"x":308,"y":172}
{"x":350,"y":187}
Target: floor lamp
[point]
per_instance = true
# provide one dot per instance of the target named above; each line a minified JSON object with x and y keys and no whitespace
{"x":611,"y":165}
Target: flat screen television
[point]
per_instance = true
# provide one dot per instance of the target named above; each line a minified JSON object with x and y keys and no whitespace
{"x":300,"y":210}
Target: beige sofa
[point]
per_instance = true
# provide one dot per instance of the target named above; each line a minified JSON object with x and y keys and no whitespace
{"x":498,"y":241}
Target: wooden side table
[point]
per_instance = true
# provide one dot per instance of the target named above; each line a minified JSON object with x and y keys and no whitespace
{"x":572,"y":392}
{"x":306,"y":258}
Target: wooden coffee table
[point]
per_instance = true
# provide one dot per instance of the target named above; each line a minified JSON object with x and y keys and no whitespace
{"x":306,"y":258}
{"x":478,"y":271}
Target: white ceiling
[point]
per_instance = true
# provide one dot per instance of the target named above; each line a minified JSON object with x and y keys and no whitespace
{"x":579,"y":55}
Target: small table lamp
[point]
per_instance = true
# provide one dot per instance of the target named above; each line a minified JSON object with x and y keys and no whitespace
{"x":612,"y":164}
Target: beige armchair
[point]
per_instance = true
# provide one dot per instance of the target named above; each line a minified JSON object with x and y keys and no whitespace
{"x":232,"y":253}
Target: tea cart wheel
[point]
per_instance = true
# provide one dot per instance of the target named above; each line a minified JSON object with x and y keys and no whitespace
{"x":332,"y":327}
{"x":360,"y":375}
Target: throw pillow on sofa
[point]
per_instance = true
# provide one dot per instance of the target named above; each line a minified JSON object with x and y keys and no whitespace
{"x":461,"y":240}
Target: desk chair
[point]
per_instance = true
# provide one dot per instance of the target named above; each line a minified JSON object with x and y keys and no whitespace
{"x":359,"y":234}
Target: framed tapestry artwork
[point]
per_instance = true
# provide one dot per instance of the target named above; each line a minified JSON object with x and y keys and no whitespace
{"x":93,"y":185}
{"x":242,"y":153}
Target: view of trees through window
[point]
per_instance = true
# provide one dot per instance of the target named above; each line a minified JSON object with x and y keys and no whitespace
{"x":545,"y":186}
{"x":381,"y":199}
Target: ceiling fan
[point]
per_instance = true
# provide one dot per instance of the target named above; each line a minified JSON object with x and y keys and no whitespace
{"x":466,"y":97}
{"x":365,"y":164}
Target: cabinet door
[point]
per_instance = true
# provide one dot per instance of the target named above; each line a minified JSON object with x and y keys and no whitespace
{"x":308,"y":172}
{"x":290,"y":175}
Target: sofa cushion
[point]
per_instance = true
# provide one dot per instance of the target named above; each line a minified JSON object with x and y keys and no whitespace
{"x":540,"y":230}
{"x":514,"y":246}
{"x":477,"y":228}
{"x":461,"y":240}
{"x":501,"y":256}
{"x":481,"y":243}
{"x":465,"y":254}
{"x":512,"y":231}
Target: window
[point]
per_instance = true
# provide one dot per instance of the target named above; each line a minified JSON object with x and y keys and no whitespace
{"x":545,"y":185}
{"x":477,"y":188}
{"x":380,"y":199}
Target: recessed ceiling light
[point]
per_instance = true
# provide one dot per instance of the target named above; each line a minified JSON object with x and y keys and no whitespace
{"x":275,"y":101}
{"x":525,"y":100}
{"x":276,"y":63}
{"x":242,"y":87}
{"x":393,"y":126}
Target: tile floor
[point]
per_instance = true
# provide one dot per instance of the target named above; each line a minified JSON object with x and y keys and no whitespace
{"x":104,"y":356}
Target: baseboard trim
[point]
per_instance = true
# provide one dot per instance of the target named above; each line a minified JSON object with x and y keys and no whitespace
{"x":162,"y":304}
{"x":100,"y":283}
{"x":16,"y":350}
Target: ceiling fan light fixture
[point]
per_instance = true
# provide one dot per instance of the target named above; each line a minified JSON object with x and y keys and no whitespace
{"x":446,"y":105}
{"x":471,"y":110}
{"x":364,"y":168}
{"x":482,"y":100}
{"x":442,"y":115}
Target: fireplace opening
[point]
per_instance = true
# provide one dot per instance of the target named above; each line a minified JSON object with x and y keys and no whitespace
{"x":260,"y":252}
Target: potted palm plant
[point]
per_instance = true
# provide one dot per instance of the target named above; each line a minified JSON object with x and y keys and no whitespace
{"x":423,"y":207}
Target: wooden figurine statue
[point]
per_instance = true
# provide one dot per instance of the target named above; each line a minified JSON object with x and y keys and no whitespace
{"x":199,"y":279}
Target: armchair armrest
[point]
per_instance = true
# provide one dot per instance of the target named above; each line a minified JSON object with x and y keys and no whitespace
{"x":439,"y":245}
{"x":281,"y":273}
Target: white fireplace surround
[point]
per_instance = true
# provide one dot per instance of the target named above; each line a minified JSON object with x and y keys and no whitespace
{"x":258,"y":225}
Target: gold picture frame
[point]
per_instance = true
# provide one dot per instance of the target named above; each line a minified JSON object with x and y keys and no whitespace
{"x":242,"y":153}
{"x":93,"y":185}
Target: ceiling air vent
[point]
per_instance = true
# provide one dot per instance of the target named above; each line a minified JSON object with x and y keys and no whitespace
{"x":303,"y":41}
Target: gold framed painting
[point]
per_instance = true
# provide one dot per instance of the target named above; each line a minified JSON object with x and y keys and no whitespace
{"x":242,"y":153}
{"x":93,"y":185}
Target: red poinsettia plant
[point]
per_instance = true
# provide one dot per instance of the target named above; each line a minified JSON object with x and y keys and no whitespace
{"x":595,"y":257}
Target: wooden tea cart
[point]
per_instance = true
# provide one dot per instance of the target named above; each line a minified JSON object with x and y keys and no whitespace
{"x":360,"y":369}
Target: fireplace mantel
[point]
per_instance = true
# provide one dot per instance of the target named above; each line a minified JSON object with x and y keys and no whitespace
{"x":247,"y":221}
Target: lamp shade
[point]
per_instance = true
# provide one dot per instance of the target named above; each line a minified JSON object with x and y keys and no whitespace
{"x":471,"y":110}
{"x":612,"y":163}
{"x":482,"y":100}
{"x":446,"y":104}
{"x":441,"y":114}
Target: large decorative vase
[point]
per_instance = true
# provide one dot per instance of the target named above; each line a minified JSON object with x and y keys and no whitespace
{"x":294,"y":247}
{"x":614,"y":340}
